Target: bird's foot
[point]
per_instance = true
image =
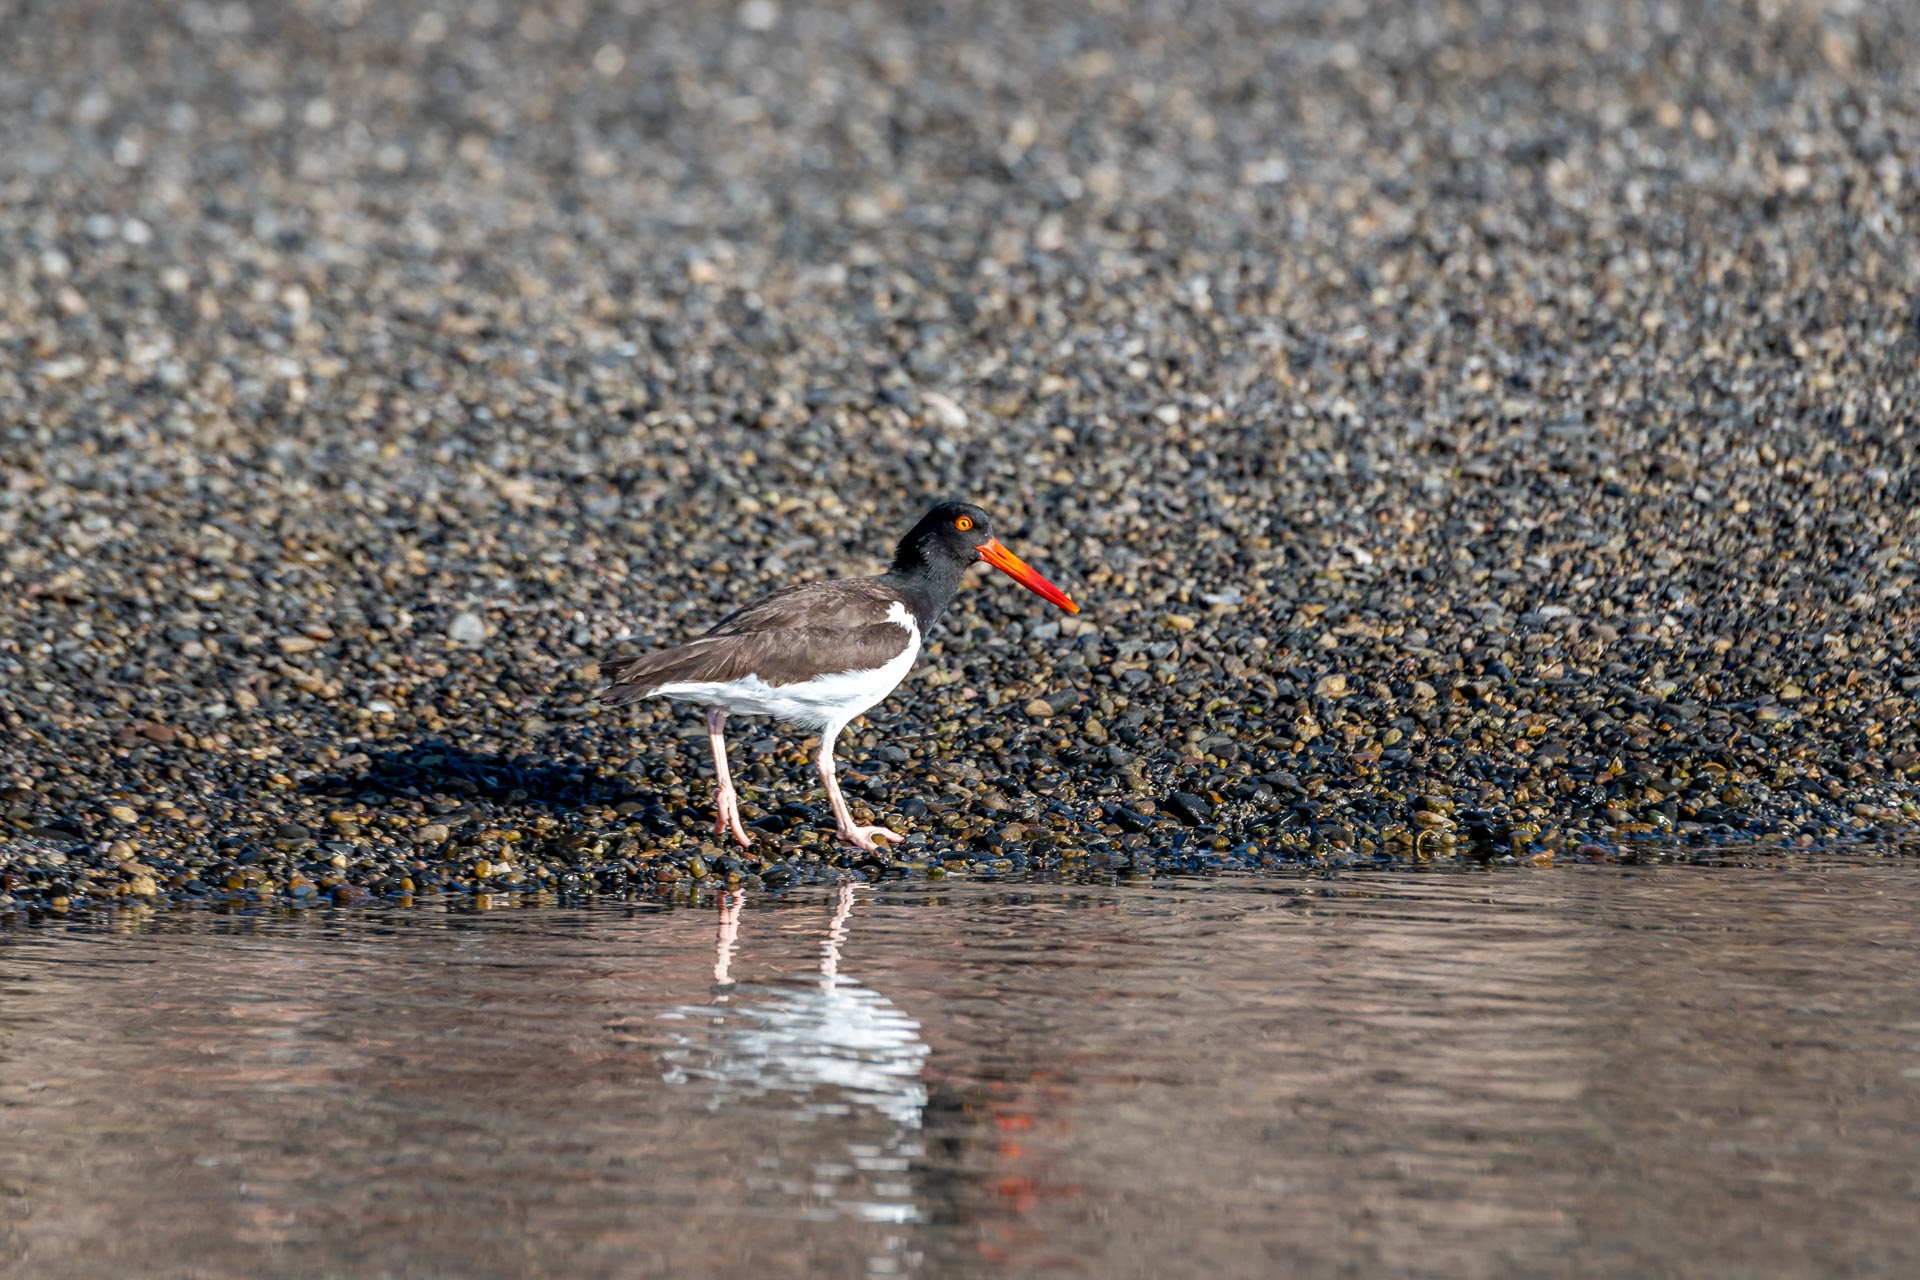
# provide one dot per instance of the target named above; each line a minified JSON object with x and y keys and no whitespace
{"x":728,"y":804}
{"x":864,"y":837}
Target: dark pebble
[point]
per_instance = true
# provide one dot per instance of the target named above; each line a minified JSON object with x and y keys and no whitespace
{"x":1189,"y":808}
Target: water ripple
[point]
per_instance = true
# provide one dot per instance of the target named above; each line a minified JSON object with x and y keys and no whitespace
{"x":1593,"y":1071}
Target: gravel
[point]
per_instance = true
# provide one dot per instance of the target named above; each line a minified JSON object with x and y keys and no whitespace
{"x":1474,"y":430}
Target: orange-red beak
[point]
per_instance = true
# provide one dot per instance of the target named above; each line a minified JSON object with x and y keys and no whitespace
{"x":1014,"y":567}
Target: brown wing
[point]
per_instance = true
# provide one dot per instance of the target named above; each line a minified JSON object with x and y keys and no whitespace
{"x":780,"y":657}
{"x":847,"y":602}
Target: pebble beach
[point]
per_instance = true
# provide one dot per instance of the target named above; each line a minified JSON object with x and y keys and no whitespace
{"x":1475,"y":431}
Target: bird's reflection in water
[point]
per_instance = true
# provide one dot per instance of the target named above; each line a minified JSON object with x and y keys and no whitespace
{"x":837,"y":1051}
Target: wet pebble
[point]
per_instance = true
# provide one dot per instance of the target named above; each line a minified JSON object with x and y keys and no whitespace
{"x":1189,"y":808}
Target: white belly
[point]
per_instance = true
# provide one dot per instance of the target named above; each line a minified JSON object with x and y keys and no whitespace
{"x":822,"y":702}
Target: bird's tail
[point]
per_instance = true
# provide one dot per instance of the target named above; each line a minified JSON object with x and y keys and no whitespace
{"x":633,"y":677}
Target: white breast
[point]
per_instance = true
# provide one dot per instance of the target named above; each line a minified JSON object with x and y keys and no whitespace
{"x":826,"y":701}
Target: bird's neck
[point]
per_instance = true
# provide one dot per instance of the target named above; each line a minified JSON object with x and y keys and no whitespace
{"x":928,"y":587}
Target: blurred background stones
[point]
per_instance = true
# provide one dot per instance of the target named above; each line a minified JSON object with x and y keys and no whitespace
{"x":1473,"y":429}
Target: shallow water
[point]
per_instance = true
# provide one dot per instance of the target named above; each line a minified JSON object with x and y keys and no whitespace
{"x":1582,"y":1071}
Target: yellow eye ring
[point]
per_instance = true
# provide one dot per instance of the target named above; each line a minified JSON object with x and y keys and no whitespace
{"x":964,"y":523}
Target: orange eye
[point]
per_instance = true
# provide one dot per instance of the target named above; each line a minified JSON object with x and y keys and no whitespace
{"x":964,"y":523}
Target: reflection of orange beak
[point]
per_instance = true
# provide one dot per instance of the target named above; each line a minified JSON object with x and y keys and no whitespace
{"x":1014,"y":567}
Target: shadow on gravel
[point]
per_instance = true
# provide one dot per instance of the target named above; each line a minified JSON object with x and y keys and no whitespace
{"x":434,"y":768}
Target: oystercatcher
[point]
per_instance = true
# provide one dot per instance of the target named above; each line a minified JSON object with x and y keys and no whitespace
{"x":819,"y":654}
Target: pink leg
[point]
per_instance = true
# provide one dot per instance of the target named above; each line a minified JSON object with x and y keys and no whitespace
{"x":843,"y":817}
{"x":725,"y":799}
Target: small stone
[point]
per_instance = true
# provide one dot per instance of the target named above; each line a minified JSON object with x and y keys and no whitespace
{"x":1040,"y":709}
{"x":759,"y":15}
{"x":1189,"y":808}
{"x":944,"y":411}
{"x":296,"y":644}
{"x":467,"y":628}
{"x":290,"y":836}
{"x":123,"y":813}
{"x":433,"y":833}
